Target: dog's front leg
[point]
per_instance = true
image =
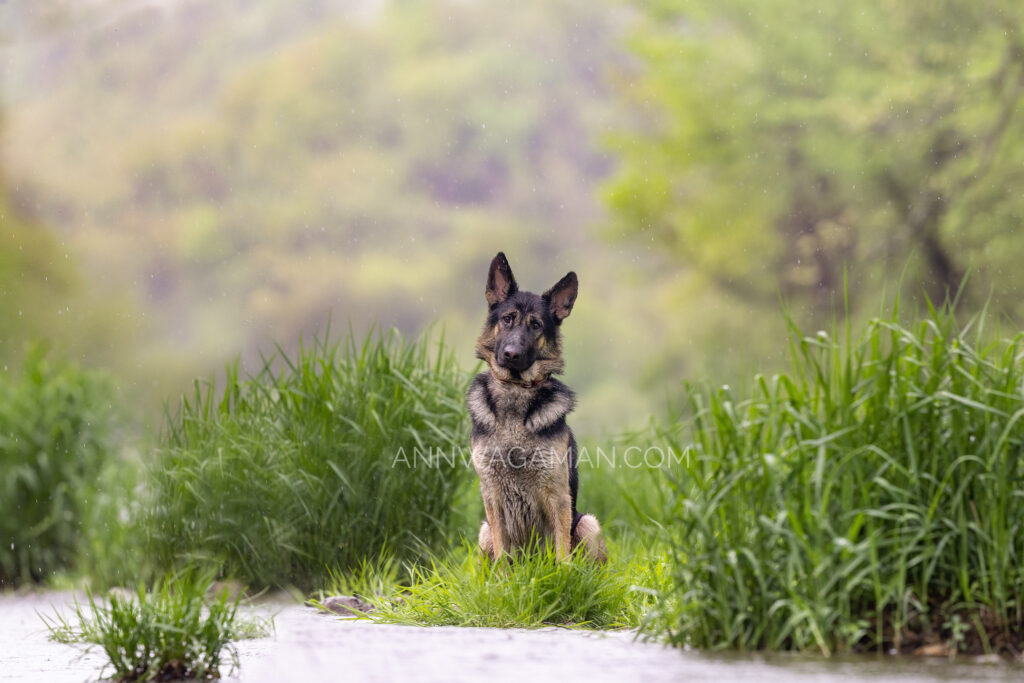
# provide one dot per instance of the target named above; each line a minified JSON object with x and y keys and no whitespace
{"x":560,"y":513}
{"x":496,"y":520}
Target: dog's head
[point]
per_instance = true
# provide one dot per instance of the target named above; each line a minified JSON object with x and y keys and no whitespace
{"x":521,"y":340}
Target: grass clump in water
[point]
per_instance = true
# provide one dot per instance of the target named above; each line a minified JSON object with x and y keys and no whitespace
{"x":169,"y":632}
{"x":316,"y":461}
{"x":468,"y":589}
{"x":872,"y":498}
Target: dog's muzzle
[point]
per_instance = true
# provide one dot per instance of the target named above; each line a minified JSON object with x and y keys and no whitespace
{"x":515,"y":355}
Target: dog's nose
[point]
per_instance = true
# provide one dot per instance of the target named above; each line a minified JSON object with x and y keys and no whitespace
{"x":511,"y":356}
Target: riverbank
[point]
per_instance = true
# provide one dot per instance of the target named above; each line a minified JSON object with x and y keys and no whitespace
{"x":309,"y":646}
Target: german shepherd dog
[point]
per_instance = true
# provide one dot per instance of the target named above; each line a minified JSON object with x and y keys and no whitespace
{"x":523,"y":450}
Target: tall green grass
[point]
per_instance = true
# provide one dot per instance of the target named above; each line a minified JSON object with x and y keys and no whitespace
{"x":310,"y":464}
{"x":623,"y":482}
{"x":57,"y":443}
{"x":871,"y":498}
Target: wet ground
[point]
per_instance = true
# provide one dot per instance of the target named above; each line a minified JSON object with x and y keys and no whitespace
{"x":309,"y":646}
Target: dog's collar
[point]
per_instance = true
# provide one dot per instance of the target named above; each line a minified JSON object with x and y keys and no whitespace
{"x":526,"y":385}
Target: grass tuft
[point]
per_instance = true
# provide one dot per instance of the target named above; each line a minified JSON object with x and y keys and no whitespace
{"x":169,"y":632}
{"x":467,"y":589}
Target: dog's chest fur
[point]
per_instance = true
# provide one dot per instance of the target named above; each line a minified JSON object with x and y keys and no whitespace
{"x":520,"y":443}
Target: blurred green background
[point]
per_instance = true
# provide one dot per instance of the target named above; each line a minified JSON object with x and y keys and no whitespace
{"x":185,"y":181}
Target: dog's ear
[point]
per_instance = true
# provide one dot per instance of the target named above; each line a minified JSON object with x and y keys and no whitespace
{"x":562,"y":296}
{"x":501,"y":284}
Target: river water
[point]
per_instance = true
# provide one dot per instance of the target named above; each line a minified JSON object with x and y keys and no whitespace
{"x":308,"y":646}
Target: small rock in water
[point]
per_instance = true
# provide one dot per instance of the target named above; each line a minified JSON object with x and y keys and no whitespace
{"x":346,"y":605}
{"x":934,"y":650}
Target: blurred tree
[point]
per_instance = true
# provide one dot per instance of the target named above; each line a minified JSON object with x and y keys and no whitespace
{"x":32,"y":281}
{"x":245,"y":194}
{"x":780,"y":142}
{"x":237,"y":172}
{"x":43,"y":296}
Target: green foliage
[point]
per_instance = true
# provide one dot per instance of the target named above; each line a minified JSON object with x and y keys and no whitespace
{"x":860,"y":501}
{"x":56,"y":445}
{"x":44,"y":299}
{"x":316,"y":462}
{"x":33,"y":279}
{"x":467,"y":589}
{"x":171,"y":631}
{"x":780,"y":143}
{"x":110,"y":548}
{"x":622,"y":481}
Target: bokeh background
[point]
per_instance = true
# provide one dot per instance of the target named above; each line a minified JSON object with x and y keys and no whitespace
{"x":185,"y":182}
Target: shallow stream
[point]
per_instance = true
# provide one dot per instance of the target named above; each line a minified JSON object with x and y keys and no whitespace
{"x":308,"y":646}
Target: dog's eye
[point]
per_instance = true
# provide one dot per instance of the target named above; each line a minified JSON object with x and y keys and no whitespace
{"x":536,"y":324}
{"x":509,"y":318}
